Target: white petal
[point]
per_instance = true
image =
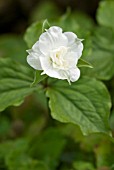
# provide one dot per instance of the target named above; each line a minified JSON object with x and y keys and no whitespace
{"x":52,"y":39}
{"x":33,"y":61}
{"x":74,"y":43}
{"x":74,"y":74}
{"x":36,"y":49}
{"x":71,"y":37}
{"x":77,"y":47}
{"x":71,"y":58}
{"x":49,"y":70}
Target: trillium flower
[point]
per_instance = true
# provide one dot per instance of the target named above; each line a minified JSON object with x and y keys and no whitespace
{"x":57,"y":54}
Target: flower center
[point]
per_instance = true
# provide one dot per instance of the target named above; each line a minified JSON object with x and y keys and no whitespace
{"x":57,"y":57}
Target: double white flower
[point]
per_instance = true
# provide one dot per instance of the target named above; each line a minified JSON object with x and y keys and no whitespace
{"x":57,"y":54}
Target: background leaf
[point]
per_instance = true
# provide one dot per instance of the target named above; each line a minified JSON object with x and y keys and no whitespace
{"x":16,"y":156}
{"x":42,"y":147}
{"x":102,"y":54}
{"x":81,"y":165}
{"x":105,"y":13}
{"x":33,"y":32}
{"x":15,"y":81}
{"x":14,"y":47}
{"x":45,"y":10}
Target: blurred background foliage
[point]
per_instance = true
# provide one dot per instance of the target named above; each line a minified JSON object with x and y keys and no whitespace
{"x":29,"y":138}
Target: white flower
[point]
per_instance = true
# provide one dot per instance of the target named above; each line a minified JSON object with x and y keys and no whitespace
{"x":57,"y":54}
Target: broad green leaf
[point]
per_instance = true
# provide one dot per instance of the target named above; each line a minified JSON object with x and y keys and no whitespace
{"x":85,"y":103}
{"x":15,"y":80}
{"x":83,"y":63}
{"x":14,"y":47}
{"x":105,"y":13}
{"x":102,"y":54}
{"x":38,"y":77}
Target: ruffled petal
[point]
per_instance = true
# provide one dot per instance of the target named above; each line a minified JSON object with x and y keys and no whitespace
{"x":74,"y":43}
{"x":74,"y":74}
{"x":34,"y":61}
{"x":71,"y":37}
{"x":77,"y":47}
{"x":49,"y":70}
{"x":52,"y":39}
{"x":36,"y":48}
{"x":71,"y":58}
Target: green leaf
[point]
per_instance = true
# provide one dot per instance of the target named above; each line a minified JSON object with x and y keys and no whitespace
{"x":14,"y":47}
{"x":105,"y":13}
{"x":85,"y":103}
{"x":83,"y":63}
{"x":15,"y":80}
{"x":32,"y":33}
{"x":102,"y":54}
{"x":38,"y":78}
